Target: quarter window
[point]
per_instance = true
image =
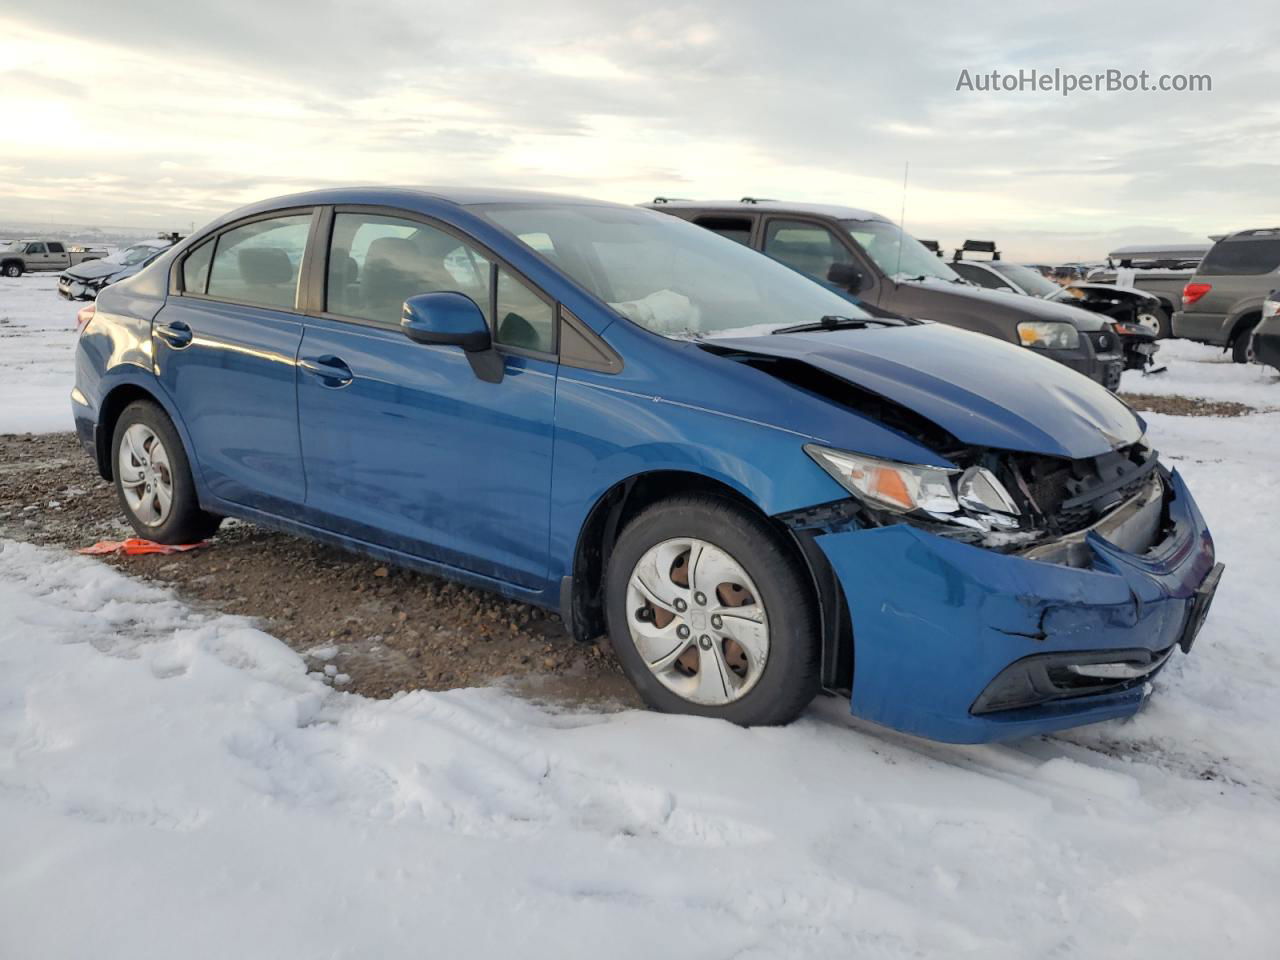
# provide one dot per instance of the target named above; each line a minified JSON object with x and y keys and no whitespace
{"x":195,"y":269}
{"x":259,"y":262}
{"x":376,"y":263}
{"x":525,"y":320}
{"x":805,"y":247}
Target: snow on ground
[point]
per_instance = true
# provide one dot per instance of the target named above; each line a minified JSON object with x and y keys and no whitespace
{"x":173,"y":783}
{"x":1199,"y":370}
{"x":37,"y":341}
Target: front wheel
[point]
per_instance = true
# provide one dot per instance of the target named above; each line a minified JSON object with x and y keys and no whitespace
{"x":153,"y":478}
{"x":13,"y":269}
{"x":710,"y":614}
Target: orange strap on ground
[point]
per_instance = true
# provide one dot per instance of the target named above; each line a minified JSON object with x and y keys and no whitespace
{"x":136,"y":546}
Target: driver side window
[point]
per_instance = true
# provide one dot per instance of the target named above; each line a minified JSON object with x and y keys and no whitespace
{"x":806,"y":247}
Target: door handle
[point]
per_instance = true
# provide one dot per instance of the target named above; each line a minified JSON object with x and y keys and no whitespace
{"x":176,"y":334}
{"x":327,"y":368}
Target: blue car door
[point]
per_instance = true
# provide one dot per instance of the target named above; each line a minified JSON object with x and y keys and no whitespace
{"x":225,"y":348}
{"x":403,"y":445}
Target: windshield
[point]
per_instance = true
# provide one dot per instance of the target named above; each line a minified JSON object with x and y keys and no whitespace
{"x":1032,"y":281}
{"x":899,"y":255}
{"x":666,"y":274}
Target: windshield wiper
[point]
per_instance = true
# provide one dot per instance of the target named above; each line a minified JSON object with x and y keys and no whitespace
{"x":833,"y":323}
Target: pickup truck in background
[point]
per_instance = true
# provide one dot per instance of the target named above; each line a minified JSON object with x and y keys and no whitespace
{"x":1159,"y":269}
{"x":27,"y":256}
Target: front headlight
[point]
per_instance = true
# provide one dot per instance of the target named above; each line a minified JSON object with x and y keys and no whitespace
{"x":973,"y":498}
{"x":1048,"y":335}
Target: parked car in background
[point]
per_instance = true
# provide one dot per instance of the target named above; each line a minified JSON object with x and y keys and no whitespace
{"x":1222,"y":302}
{"x":29,"y":256}
{"x":1135,"y":315}
{"x":1266,"y":336}
{"x":871,"y":259}
{"x":743,"y":477}
{"x":83,"y":281}
{"x":1158,"y":269}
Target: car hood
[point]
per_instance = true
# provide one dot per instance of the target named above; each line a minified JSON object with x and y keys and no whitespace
{"x":980,"y":390}
{"x":92,"y":269}
{"x":1034,"y":307}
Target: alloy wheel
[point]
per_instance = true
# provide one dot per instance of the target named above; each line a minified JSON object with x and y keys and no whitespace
{"x":697,"y":620}
{"x":146,"y":477}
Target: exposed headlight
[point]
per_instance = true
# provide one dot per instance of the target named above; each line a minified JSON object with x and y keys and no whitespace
{"x":972,"y":498}
{"x":1048,"y":335}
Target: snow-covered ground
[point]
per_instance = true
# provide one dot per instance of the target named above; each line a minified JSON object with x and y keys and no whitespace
{"x":37,"y":340}
{"x":174,"y":784}
{"x":1199,"y":370}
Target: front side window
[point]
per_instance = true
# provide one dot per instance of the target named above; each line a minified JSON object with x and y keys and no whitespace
{"x":980,"y":275}
{"x":899,"y":255}
{"x":1242,"y":257}
{"x":525,"y":320}
{"x":666,"y":274}
{"x":806,"y":247}
{"x":259,"y":262}
{"x":378,"y":262}
{"x":35,"y":248}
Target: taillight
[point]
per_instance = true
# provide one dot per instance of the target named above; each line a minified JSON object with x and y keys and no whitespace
{"x":84,"y":315}
{"x":1194,"y":291}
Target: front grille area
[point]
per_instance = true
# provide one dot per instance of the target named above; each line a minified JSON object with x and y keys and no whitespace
{"x":1069,"y":495}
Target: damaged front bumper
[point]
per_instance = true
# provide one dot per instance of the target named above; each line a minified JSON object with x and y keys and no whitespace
{"x":965,"y":644}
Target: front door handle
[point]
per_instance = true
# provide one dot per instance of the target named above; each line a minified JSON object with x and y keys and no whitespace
{"x":329,"y":369}
{"x":176,"y":334}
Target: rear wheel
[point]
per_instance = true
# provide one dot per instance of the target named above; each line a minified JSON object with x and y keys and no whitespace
{"x":1156,"y":320}
{"x":1242,"y":345}
{"x":153,"y":478}
{"x":711,"y":615}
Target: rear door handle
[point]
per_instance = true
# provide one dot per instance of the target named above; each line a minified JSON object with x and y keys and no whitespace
{"x":176,"y":334}
{"x":330,"y":369}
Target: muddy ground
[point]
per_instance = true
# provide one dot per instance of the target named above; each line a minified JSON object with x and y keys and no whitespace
{"x":385,"y":628}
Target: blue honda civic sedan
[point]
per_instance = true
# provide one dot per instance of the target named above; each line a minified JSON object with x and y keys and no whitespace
{"x":755,"y":488}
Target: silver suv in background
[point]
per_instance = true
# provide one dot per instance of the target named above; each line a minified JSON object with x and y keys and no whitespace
{"x":1222,"y":303}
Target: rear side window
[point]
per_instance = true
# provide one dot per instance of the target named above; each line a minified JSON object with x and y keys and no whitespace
{"x":737,"y":229}
{"x":376,"y":263}
{"x":56,"y":248}
{"x":195,"y":269}
{"x":259,"y":262}
{"x":1242,"y":257}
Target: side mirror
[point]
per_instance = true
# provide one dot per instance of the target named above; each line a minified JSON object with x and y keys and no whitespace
{"x":453,"y":320}
{"x":846,"y":275}
{"x":445,"y":319}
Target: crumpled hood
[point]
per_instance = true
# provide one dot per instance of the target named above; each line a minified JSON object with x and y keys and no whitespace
{"x":980,"y":390}
{"x":92,"y":269}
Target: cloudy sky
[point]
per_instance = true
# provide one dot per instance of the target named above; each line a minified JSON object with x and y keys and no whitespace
{"x":155,"y":114}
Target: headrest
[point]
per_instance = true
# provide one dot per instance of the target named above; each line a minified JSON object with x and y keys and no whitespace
{"x":398,"y":253}
{"x":266,"y":265}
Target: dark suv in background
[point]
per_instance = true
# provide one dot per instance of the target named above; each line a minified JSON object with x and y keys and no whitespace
{"x":868,"y":257}
{"x":1222,"y":303}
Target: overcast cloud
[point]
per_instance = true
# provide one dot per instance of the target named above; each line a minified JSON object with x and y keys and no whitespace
{"x":153,"y":115}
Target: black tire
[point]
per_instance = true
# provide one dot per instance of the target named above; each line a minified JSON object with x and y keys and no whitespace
{"x":1242,"y":345}
{"x":12,"y":270}
{"x":1164,"y":322}
{"x":790,"y":677}
{"x":186,"y":522}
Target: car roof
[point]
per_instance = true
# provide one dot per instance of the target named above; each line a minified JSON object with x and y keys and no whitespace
{"x":832,"y":210}
{"x":1258,"y":233}
{"x":1160,"y":251}
{"x":462,"y":196}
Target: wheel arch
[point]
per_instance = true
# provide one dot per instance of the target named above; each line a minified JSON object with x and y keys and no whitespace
{"x":1248,"y":318}
{"x":113,"y":404}
{"x":582,"y":592}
